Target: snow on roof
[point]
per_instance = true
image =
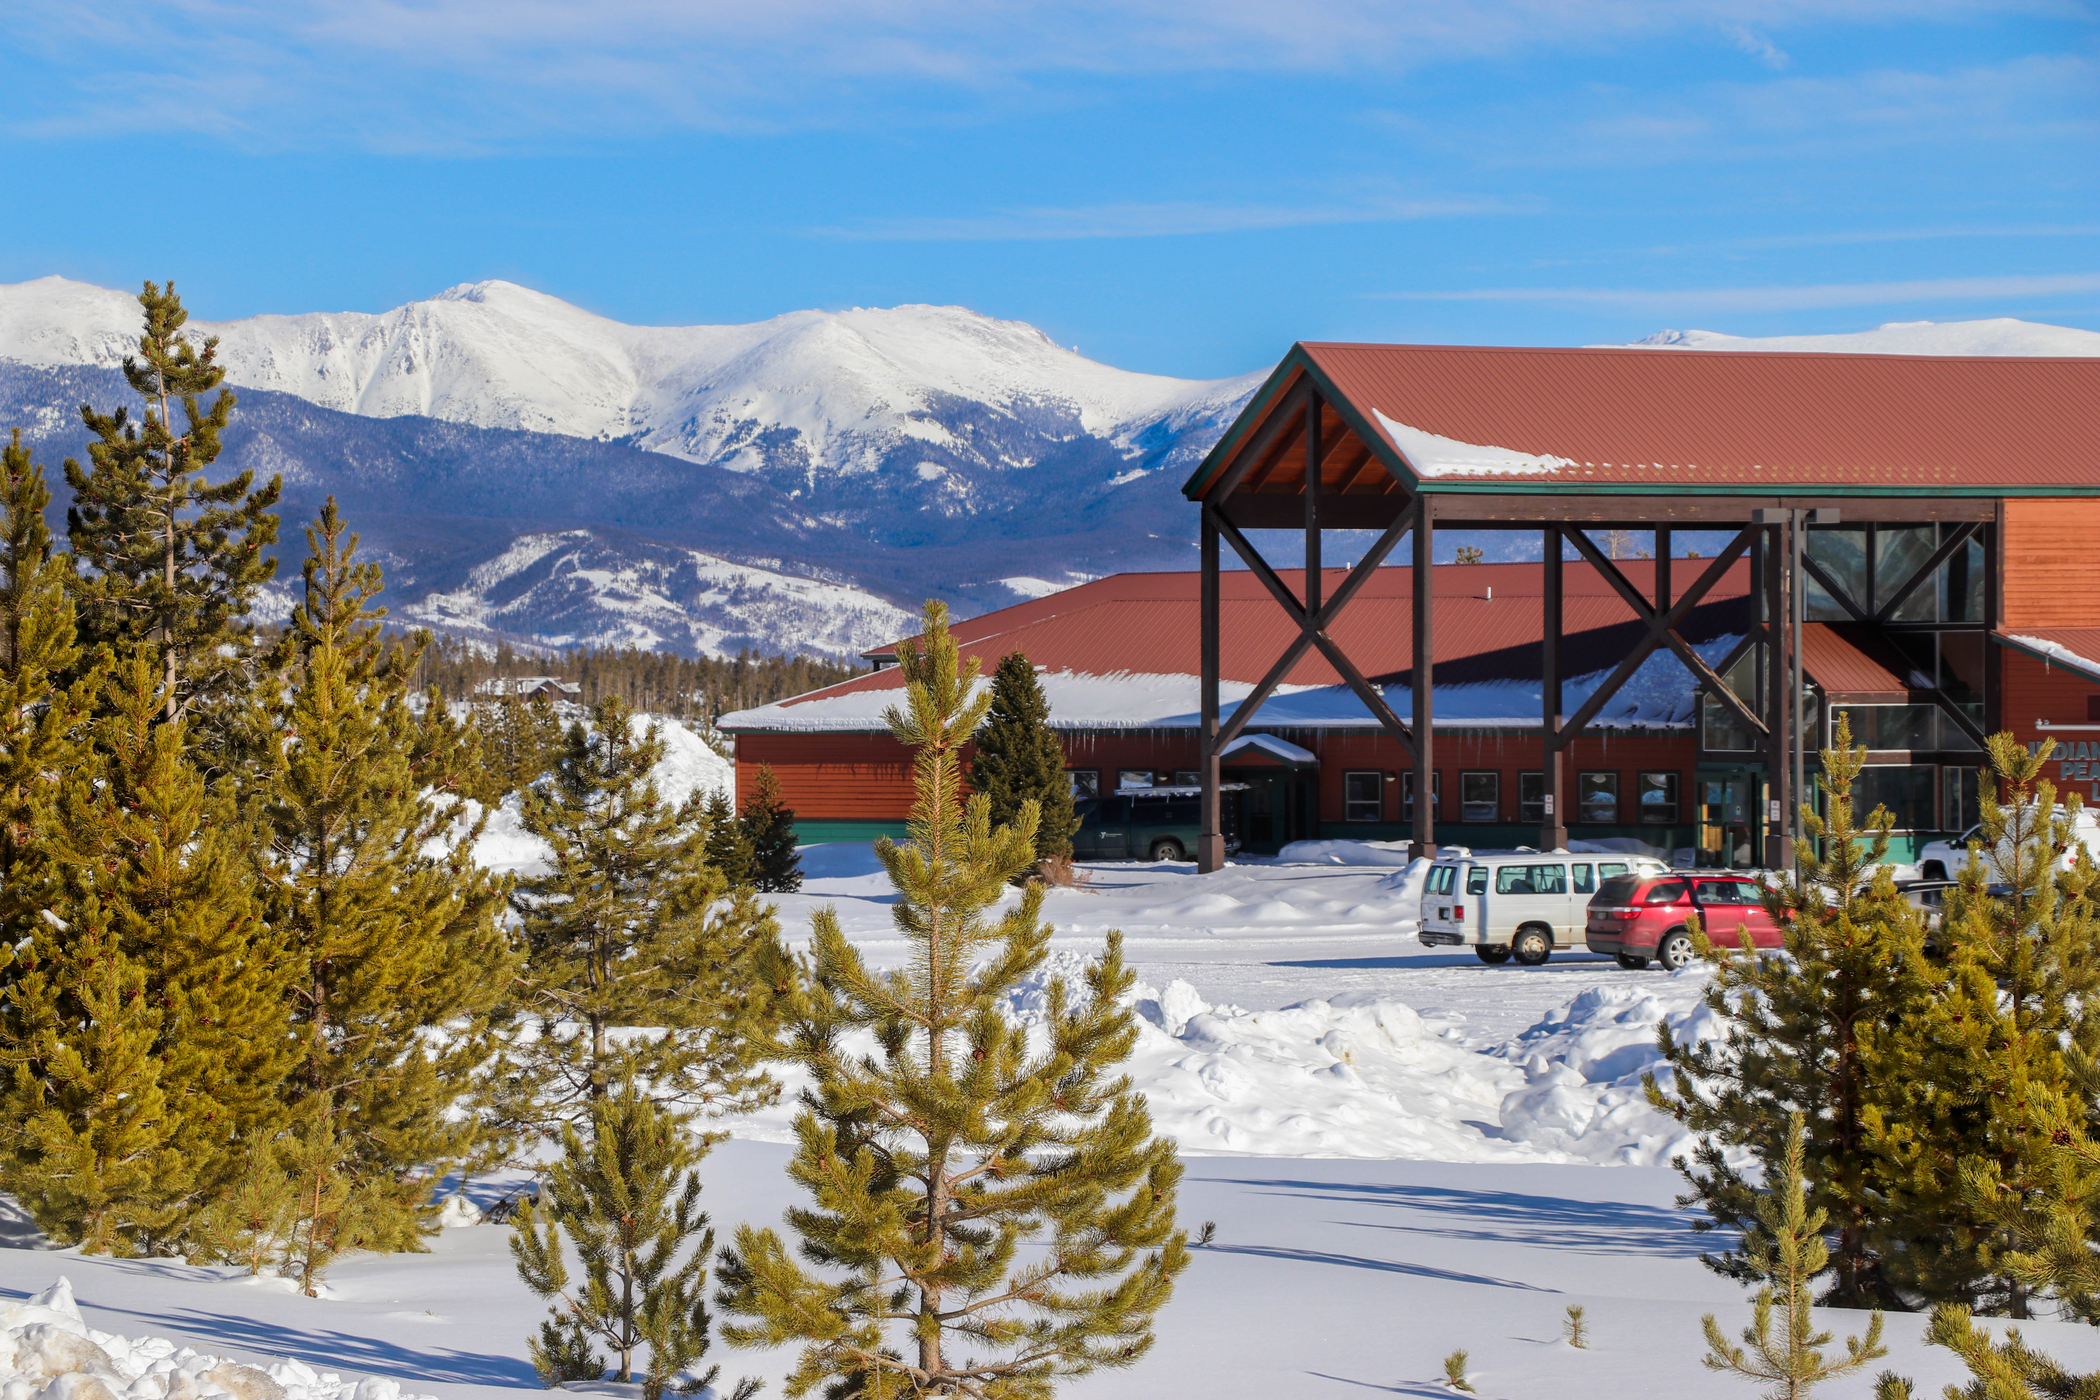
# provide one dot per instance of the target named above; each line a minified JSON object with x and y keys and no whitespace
{"x":1660,"y":695}
{"x":1283,"y":749}
{"x":1433,"y":455}
{"x":2086,"y":640}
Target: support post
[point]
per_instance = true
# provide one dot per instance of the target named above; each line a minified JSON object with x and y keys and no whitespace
{"x":1553,"y":830}
{"x":1312,"y":504}
{"x":1797,"y":715}
{"x":1423,"y":721}
{"x":1778,"y":716}
{"x":1210,"y":841}
{"x":1662,"y":568}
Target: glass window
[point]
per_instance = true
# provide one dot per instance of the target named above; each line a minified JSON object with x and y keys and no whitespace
{"x":1086,"y":782}
{"x":1611,"y":870}
{"x":1441,"y":878}
{"x":1721,"y":730}
{"x":1597,"y":797}
{"x":1899,"y":552}
{"x":1961,"y":584}
{"x":1905,"y":789}
{"x":1363,"y":796}
{"x":1958,"y":810}
{"x":1716,"y":892}
{"x":1407,"y":794}
{"x":1187,"y":777}
{"x":1667,"y":892}
{"x":1658,"y":799}
{"x":1531,"y":797}
{"x":1585,"y":881}
{"x":1479,"y":797}
{"x":1842,"y":553}
{"x":1476,"y":879}
{"x":1134,"y":778}
{"x":1531,"y":879}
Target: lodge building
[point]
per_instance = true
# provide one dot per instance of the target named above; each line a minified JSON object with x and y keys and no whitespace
{"x":1912,"y":536}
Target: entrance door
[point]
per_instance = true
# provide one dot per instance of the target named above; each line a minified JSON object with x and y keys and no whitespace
{"x":1728,"y":828}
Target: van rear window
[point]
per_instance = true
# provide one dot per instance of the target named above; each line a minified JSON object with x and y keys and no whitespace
{"x":1441,"y":878}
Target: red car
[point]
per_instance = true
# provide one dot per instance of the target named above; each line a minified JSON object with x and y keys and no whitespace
{"x":1636,"y":918}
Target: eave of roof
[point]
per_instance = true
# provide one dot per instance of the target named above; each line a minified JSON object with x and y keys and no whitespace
{"x":2073,"y":648}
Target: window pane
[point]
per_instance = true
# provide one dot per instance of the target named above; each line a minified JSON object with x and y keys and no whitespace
{"x":1086,"y":782}
{"x":1843,"y":555}
{"x":1134,"y":778}
{"x":1187,"y":777}
{"x":1549,"y":879}
{"x":1479,"y":796}
{"x":1407,"y":794}
{"x":1658,"y":798}
{"x":1362,"y":797}
{"x":1597,"y":797}
{"x":1476,"y":879}
{"x":1961,"y":584}
{"x":1899,"y":552}
{"x":1906,"y":790}
{"x":1531,"y":797}
{"x":1585,"y":882}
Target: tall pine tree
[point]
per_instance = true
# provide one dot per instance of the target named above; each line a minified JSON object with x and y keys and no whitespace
{"x":930,"y":1162}
{"x":166,"y":558}
{"x":390,"y":928}
{"x":1019,"y":759}
{"x":1989,"y":1080}
{"x":639,"y":956}
{"x":1800,"y":1040}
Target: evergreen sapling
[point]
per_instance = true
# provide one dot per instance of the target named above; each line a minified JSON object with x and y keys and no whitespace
{"x":1019,"y":760}
{"x":769,"y":831}
{"x":928,"y":1163}
{"x":728,"y":845}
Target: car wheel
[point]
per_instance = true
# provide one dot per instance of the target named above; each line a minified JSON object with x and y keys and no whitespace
{"x":1933,"y":871}
{"x":1531,"y":946}
{"x":1169,"y":849}
{"x":1493,"y":954}
{"x":1675,"y":952}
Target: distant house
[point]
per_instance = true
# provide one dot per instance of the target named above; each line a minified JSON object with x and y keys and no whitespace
{"x":546,"y":688}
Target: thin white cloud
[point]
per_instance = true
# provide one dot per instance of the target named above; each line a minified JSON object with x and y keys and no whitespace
{"x":431,"y":73}
{"x":1794,"y":298}
{"x":1150,"y":220}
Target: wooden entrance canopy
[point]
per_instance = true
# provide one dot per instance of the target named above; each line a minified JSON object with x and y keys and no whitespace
{"x":1405,"y":440}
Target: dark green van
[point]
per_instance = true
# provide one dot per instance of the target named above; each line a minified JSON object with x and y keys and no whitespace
{"x":1137,"y":825}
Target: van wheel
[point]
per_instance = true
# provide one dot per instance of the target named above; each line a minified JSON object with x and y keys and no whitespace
{"x":1675,"y":952}
{"x":1493,"y":954}
{"x":1531,"y":946}
{"x":1169,"y":849}
{"x":1933,"y":871}
{"x":1632,"y":962}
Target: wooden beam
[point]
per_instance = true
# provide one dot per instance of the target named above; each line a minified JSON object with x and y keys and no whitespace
{"x":1284,"y":511}
{"x":1282,"y":416}
{"x":1955,"y":540}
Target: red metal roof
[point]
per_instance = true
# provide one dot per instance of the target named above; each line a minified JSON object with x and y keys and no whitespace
{"x":1854,"y":666}
{"x":1488,"y":623}
{"x":1659,"y":421}
{"x":2073,"y":648}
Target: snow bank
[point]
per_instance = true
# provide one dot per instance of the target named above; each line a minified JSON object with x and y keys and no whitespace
{"x":1583,"y":1065}
{"x":1344,"y":853}
{"x":47,"y":1352}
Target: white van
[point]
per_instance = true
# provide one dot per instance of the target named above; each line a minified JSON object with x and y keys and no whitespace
{"x":1522,"y":904}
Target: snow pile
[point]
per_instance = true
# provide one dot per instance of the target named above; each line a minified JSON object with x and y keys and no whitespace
{"x":1583,"y":1066}
{"x":1344,"y":853}
{"x":47,"y":1352}
{"x":688,"y":766}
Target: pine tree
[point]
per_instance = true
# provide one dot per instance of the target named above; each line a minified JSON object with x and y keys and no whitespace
{"x":930,"y":1162}
{"x":150,"y":854}
{"x":769,"y":830}
{"x":1991,"y":1077}
{"x":169,"y":560}
{"x":251,"y":1223}
{"x":520,"y":739}
{"x":42,"y":723}
{"x":628,"y":1199}
{"x":630,"y":927}
{"x":391,"y":930}
{"x":1019,"y":759}
{"x":1786,"y":1247}
{"x":727,"y":847}
{"x":1801,"y":1038}
{"x":92,"y":1143}
{"x":335,"y":1209}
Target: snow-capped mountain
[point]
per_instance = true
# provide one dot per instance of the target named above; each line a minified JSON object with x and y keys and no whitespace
{"x":801,"y":398}
{"x":526,"y":469}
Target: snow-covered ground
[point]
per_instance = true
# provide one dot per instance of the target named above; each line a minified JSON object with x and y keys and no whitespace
{"x":1404,"y":1151}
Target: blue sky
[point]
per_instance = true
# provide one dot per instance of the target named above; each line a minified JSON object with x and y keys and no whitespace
{"x":1182,"y":186}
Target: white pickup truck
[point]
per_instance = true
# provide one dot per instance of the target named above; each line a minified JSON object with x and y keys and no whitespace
{"x":1943,"y":860}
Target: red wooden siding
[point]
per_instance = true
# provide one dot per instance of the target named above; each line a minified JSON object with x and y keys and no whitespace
{"x":2049,"y":552}
{"x":2036,"y":690}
